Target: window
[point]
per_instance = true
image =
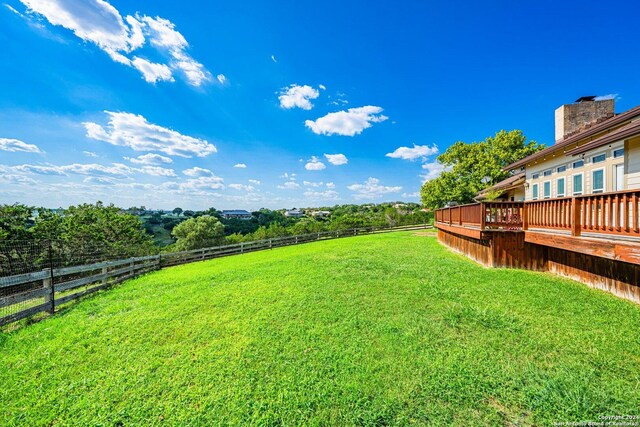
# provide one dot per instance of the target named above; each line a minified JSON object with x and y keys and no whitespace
{"x":577,"y":184}
{"x":578,"y":164}
{"x":597,"y":183}
{"x":618,"y":153}
{"x":560,"y":187}
{"x":534,"y":192}
{"x":561,"y":169}
{"x":535,"y":176}
{"x":599,"y":158}
{"x":547,"y":173}
{"x":547,"y":189}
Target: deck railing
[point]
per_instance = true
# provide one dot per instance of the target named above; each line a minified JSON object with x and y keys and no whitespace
{"x":615,"y":213}
{"x":486,"y":215}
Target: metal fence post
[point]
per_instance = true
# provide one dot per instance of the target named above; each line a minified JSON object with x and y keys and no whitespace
{"x":48,"y":283}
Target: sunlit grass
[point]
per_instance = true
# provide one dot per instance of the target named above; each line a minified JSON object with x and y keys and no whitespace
{"x":388,"y":329}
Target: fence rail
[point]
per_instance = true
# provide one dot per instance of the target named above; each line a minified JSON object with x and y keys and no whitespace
{"x":24,"y":295}
{"x":602,"y":214}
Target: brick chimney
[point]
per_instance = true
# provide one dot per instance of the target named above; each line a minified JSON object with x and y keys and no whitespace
{"x":586,"y":111}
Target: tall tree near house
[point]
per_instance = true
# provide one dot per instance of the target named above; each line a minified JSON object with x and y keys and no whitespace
{"x":467,"y":164}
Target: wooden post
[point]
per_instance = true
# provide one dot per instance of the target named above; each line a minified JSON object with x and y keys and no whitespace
{"x":49,"y":297}
{"x":576,"y":207}
{"x":459,"y":216}
{"x":525,"y":216}
{"x":104,"y":271}
{"x":483,"y":216}
{"x":241,"y":247}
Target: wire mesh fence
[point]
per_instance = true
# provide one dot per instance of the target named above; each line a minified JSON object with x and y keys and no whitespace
{"x":36,"y":275}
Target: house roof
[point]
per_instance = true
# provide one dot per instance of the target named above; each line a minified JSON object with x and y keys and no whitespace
{"x":511,"y":182}
{"x":624,"y":132}
{"x":572,"y":139}
{"x":236,"y":212}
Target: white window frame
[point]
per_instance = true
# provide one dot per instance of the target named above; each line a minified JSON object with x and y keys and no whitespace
{"x":535,"y":175}
{"x":604,"y":181}
{"x":545,"y":174}
{"x":564,"y":180}
{"x":544,"y":184}
{"x":573,"y":164}
{"x":558,"y":167}
{"x":573,"y":182}
{"x":533,"y":193}
{"x":613,"y":153}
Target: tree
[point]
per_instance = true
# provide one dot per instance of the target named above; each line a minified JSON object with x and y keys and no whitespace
{"x":15,"y":221}
{"x":94,"y":228}
{"x":466,"y":165}
{"x":177,"y":211}
{"x":200,"y":232}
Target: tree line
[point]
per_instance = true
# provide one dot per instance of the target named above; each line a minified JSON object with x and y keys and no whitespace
{"x":112,"y":231}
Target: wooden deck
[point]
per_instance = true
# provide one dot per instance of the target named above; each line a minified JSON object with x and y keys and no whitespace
{"x":594,"y":239}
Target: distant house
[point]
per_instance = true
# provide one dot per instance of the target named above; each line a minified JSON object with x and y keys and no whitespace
{"x":236,"y":214}
{"x":294,"y":213}
{"x":320,"y":214}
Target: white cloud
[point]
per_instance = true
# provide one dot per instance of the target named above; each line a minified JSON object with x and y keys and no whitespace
{"x":313,"y":184}
{"x":372,"y":189}
{"x":411,"y":195}
{"x":40,"y":170}
{"x":241,"y":187}
{"x":297,"y":96}
{"x":289,"y":185}
{"x":433,"y":170}
{"x":150,"y":159}
{"x":314,"y":164}
{"x":99,"y":22}
{"x":222,"y":79}
{"x":156,"y":171}
{"x":199,"y":184}
{"x":337,"y":159}
{"x":323,"y":87}
{"x":151,"y":71}
{"x":347,"y":123}
{"x":331,"y":185}
{"x":240,"y":166}
{"x":134,"y":131}
{"x":273,"y":58}
{"x":89,"y":154}
{"x":418,"y":151}
{"x":15,"y":145}
{"x":323,"y":195}
{"x":196,"y":172}
{"x":255,"y":182}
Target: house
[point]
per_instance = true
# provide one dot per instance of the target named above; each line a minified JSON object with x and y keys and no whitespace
{"x":508,"y":190}
{"x":294,"y":213}
{"x":320,"y":214}
{"x":236,"y":214}
{"x":572,"y":209}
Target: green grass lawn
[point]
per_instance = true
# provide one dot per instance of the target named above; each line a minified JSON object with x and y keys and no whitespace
{"x":387,"y":329}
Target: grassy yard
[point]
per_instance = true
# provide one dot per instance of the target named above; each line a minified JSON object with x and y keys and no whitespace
{"x":388,"y":329}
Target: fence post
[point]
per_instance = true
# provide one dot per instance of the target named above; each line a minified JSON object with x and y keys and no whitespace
{"x":104,"y":271}
{"x":483,"y":216}
{"x":576,"y":226}
{"x":525,"y":217}
{"x":48,"y":283}
{"x":270,"y":244}
{"x":241,"y":247}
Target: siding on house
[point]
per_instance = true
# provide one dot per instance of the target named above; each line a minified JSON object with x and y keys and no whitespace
{"x":632,"y":163}
{"x":631,"y":178}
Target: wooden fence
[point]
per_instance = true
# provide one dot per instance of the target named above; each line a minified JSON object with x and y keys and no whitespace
{"x":42,"y":291}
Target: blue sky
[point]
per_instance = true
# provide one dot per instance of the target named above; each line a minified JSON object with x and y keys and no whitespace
{"x":162,"y":103}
